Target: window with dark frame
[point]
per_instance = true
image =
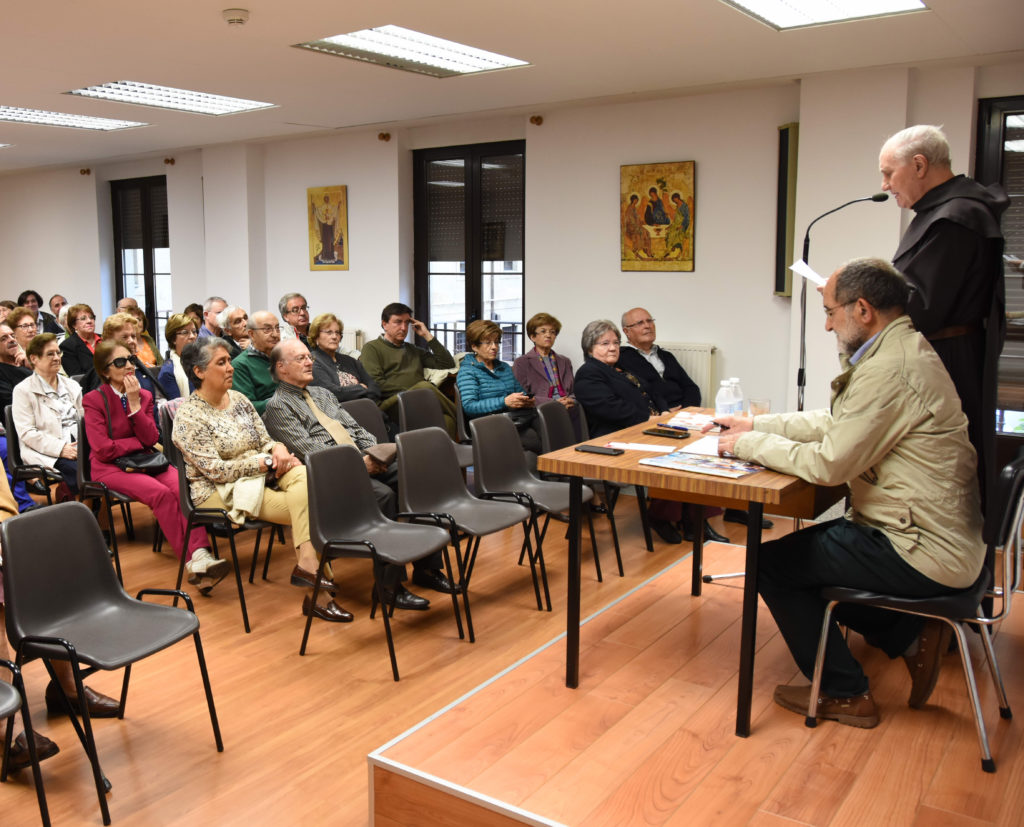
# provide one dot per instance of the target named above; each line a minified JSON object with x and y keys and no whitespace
{"x":469,"y":231}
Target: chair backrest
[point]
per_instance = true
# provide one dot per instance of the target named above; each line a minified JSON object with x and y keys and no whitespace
{"x":460,"y":418}
{"x":13,"y":441}
{"x":175,"y":458}
{"x":556,"y":431}
{"x":366,"y":413}
{"x":499,"y":463}
{"x":1005,"y":505}
{"x":338,"y":475}
{"x":83,"y":470}
{"x":428,"y":470}
{"x":419,"y":408}
{"x":56,"y":565}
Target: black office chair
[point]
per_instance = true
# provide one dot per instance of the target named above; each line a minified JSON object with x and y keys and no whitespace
{"x":501,"y":471}
{"x":462,"y":432}
{"x":420,"y":408}
{"x":556,"y":432}
{"x":368,"y":415}
{"x":215,"y":520}
{"x":13,"y":698}
{"x":430,"y":482}
{"x":44,"y":476}
{"x":64,"y":603}
{"x":1002,"y":530}
{"x":338,"y":475}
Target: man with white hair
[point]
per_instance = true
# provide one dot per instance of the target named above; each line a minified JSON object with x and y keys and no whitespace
{"x":952,"y":256}
{"x":233,"y":321}
{"x":211,"y":307}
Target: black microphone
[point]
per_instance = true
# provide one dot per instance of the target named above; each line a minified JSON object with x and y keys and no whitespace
{"x":801,"y":378}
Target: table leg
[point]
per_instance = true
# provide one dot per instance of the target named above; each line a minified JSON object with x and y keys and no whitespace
{"x":572,"y":607}
{"x":697,"y":569}
{"x":755,"y":513}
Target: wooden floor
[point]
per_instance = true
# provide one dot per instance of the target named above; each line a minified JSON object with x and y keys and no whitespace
{"x":647,"y":739}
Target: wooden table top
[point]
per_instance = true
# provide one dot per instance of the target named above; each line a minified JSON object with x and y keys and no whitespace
{"x":780,"y":493}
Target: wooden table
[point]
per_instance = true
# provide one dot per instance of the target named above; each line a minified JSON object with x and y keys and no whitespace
{"x":783,"y":494}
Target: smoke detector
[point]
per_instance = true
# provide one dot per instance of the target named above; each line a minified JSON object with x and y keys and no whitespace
{"x":235,"y":17}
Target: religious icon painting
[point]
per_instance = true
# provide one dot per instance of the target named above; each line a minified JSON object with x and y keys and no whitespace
{"x":657,"y":212}
{"x":327,"y":213}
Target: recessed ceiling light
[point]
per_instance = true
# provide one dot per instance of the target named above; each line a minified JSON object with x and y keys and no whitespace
{"x":792,"y":14}
{"x":3,"y":145}
{"x":401,"y":48}
{"x":38,"y":116}
{"x":166,"y":97}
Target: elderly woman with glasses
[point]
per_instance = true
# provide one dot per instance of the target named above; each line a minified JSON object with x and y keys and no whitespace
{"x":179,"y":331}
{"x":342,"y":375}
{"x":22,"y":320}
{"x":46,"y":406}
{"x":119,"y":421}
{"x":76,"y":350}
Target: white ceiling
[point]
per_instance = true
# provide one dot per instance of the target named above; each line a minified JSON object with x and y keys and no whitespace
{"x":578,"y":50}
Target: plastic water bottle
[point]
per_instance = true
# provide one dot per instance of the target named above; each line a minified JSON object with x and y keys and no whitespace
{"x":737,"y":395}
{"x":724,"y":398}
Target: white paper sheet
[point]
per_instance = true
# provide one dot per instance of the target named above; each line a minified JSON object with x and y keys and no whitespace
{"x":802,"y":268}
{"x":643,"y":446}
{"x":708,"y":446}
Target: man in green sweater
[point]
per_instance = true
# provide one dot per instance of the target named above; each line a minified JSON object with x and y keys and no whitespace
{"x":252,"y":365}
{"x":397,"y":365}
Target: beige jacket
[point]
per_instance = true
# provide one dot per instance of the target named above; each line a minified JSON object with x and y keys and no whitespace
{"x":37,"y":421}
{"x":897,"y":435}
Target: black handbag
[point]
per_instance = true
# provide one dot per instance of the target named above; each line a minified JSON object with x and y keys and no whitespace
{"x":137,"y":462}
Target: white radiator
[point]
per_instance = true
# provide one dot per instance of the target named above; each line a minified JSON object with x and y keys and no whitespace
{"x":698,"y":360}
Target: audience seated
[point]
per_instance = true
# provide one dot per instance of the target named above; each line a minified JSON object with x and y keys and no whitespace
{"x":146,"y":348}
{"x":76,"y":350}
{"x":179,"y":331}
{"x":13,"y":370}
{"x":6,"y":306}
{"x":397,"y":365}
{"x":294,"y":317}
{"x":31,"y":300}
{"x":195,"y":310}
{"x":45,"y":407}
{"x":211,"y":308}
{"x":342,"y":375}
{"x":252,"y":366}
{"x":119,"y":421}
{"x":487,"y":385}
{"x":23,"y":322}
{"x":122,"y":328}
{"x":307,"y":419}
{"x":232,"y":321}
{"x":230,"y":456}
{"x":655,"y":368}
{"x":544,"y":373}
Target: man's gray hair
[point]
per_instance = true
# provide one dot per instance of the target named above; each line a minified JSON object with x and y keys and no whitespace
{"x":277,"y":356}
{"x":209,"y":303}
{"x":926,"y":140}
{"x":594,"y":331}
{"x":876,"y":281}
{"x":287,"y":297}
{"x":222,"y":317}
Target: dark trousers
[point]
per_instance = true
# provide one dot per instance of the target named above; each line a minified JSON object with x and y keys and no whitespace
{"x":68,"y":469}
{"x":839,"y":553}
{"x":385,"y":487}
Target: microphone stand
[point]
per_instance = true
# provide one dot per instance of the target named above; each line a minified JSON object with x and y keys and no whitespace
{"x":801,"y":373}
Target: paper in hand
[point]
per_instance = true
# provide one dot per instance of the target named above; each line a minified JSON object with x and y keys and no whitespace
{"x":802,"y":268}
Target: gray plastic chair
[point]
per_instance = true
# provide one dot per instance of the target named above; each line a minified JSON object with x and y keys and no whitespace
{"x":1002,"y":530}
{"x":64,"y":603}
{"x":430,"y":482}
{"x":13,"y":698}
{"x":420,"y":408}
{"x":215,"y":520}
{"x":556,"y":432}
{"x":19,"y":470}
{"x":366,"y":413}
{"x":338,"y":475}
{"x":500,"y":467}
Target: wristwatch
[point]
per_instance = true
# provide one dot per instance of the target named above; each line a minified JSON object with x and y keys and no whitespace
{"x":268,"y":461}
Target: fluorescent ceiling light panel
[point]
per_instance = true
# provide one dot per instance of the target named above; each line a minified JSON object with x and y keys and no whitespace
{"x":38,"y":116}
{"x":411,"y":51}
{"x":166,"y":97}
{"x":3,"y":145}
{"x":791,"y":14}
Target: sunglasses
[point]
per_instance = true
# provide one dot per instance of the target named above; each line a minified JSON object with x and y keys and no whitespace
{"x":119,"y":362}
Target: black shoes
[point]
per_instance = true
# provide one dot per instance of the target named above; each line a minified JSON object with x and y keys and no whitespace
{"x":710,"y":535}
{"x":433,"y":579}
{"x":665,"y":530}
{"x":736,"y":515}
{"x":405,"y":599}
{"x":330,"y":611}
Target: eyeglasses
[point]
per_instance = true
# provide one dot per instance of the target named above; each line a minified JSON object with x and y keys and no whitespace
{"x":302,"y":308}
{"x":26,"y":326}
{"x":330,"y":333}
{"x":119,"y":362}
{"x":637,"y":324}
{"x":488,"y":343}
{"x":830,"y":310}
{"x":611,"y":343}
{"x":186,"y":331}
{"x":545,"y":331}
{"x":52,"y":354}
{"x":268,"y":329}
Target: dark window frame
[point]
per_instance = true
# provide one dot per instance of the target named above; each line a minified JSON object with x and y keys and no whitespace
{"x":144,"y":187}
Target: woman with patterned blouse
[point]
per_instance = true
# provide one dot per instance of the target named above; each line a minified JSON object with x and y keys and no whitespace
{"x":230,"y":456}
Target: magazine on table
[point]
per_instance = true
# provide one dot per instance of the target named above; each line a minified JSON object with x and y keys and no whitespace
{"x":703,"y":464}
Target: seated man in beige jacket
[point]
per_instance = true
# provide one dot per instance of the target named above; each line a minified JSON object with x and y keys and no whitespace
{"x":897,"y":435}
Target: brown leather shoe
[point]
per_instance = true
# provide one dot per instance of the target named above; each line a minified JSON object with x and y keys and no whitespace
{"x":18,"y":759}
{"x":330,"y":611}
{"x":100,"y":706}
{"x":859,"y":711}
{"x":301,"y":577}
{"x":925,"y":665}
